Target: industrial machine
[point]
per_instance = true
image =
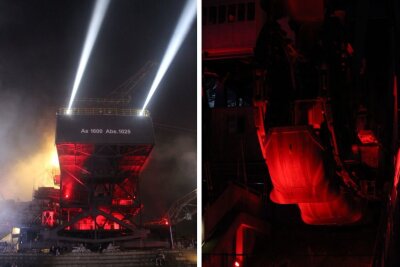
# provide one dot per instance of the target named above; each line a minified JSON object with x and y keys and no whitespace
{"x":101,"y":153}
{"x":102,"y":147}
{"x":300,"y":109}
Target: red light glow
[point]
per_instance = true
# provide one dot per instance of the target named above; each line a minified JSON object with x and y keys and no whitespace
{"x":299,"y":174}
{"x":295,"y":162}
{"x":367,"y":137}
{"x":48,"y":218}
{"x":343,"y":210}
{"x":237,"y":264}
{"x":79,"y":163}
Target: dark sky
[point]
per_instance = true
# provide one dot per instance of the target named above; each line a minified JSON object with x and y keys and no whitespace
{"x":40,"y":46}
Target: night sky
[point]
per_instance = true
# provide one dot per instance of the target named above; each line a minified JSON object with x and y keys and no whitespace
{"x":40,"y":46}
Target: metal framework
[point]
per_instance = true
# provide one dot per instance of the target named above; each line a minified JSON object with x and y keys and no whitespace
{"x":183,"y":209}
{"x":100,"y":170}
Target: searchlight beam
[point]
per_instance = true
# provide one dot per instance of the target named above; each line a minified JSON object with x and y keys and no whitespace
{"x":98,"y":14}
{"x":182,"y":28}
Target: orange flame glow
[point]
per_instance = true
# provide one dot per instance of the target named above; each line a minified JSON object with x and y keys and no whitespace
{"x":33,"y":171}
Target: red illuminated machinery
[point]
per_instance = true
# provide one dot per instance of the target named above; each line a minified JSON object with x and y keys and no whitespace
{"x":230,"y":28}
{"x":306,"y":11}
{"x":101,"y":153}
{"x":303,"y":171}
{"x":296,"y":164}
{"x":344,"y":209}
{"x":47,"y":200}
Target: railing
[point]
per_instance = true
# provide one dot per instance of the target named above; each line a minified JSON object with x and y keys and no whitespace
{"x":103,"y":111}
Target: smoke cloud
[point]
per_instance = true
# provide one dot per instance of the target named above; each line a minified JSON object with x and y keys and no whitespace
{"x":170,"y":174}
{"x":27,"y":144}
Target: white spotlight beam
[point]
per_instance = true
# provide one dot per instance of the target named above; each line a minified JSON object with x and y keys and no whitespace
{"x":98,"y":14}
{"x":182,"y":28}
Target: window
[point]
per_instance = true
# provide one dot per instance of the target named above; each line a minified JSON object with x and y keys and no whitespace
{"x":222,"y":14}
{"x":231,"y":13}
{"x":241,"y":12}
{"x":213,"y":15}
{"x":251,"y":11}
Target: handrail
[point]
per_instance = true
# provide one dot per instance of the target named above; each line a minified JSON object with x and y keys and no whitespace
{"x":102,"y":111}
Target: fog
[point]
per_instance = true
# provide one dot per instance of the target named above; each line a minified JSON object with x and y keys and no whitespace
{"x":171,"y":171}
{"x":27,"y":145}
